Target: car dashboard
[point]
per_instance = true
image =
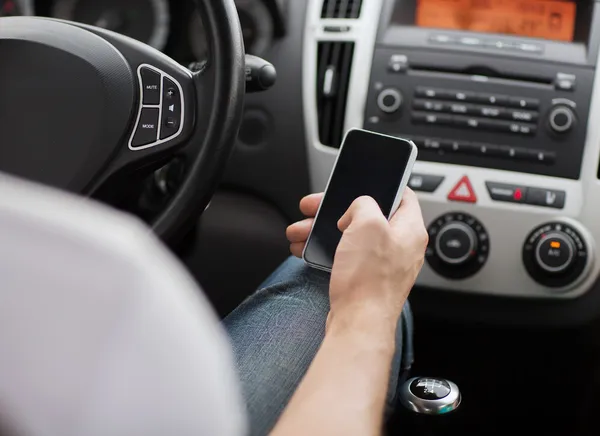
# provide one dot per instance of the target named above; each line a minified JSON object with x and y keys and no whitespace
{"x":500,"y":98}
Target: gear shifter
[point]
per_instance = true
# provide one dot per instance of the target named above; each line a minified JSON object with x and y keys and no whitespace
{"x":430,"y":400}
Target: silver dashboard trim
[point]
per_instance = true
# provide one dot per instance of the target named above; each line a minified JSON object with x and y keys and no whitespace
{"x":508,"y":224}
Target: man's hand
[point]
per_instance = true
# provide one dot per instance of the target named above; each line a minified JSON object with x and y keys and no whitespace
{"x":374,"y":269}
{"x":298,"y":233}
{"x":376,"y":263}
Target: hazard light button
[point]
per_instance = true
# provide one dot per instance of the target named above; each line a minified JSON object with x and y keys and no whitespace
{"x":463,"y":191}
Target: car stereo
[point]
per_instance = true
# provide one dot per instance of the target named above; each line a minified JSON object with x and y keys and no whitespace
{"x":502,"y":84}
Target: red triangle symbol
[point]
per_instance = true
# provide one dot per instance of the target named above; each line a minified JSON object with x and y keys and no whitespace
{"x":463,"y":191}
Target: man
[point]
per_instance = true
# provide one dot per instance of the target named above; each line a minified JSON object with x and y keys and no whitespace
{"x":104,"y":332}
{"x":325,"y":345}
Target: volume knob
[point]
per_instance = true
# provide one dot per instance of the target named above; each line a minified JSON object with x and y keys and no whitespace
{"x":561,"y":119}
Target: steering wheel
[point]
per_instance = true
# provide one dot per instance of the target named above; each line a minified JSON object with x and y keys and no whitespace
{"x":81,"y":106}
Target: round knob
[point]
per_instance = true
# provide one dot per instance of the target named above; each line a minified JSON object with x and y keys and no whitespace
{"x":430,"y":396}
{"x":561,"y":119}
{"x":556,"y":255}
{"x":458,"y":246}
{"x":456,"y":243}
{"x":555,"y":252}
{"x":389,"y":100}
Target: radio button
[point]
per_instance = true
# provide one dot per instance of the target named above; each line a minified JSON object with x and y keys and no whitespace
{"x":442,"y":39}
{"x":476,"y":123}
{"x":541,"y":156}
{"x":565,"y":82}
{"x":461,"y":96}
{"x":496,"y":100}
{"x":433,"y":93}
{"x":437,"y":119}
{"x":525,"y":116}
{"x":398,"y":63}
{"x":490,"y":112}
{"x":432,"y":144}
{"x":524,"y":103}
{"x":432,"y":106}
{"x":529,"y":48}
{"x":520,"y":129}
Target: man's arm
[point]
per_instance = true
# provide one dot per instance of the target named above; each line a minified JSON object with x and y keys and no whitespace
{"x":375,"y":267}
{"x":345,"y":388}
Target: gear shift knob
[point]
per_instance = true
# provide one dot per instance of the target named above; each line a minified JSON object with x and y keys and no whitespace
{"x":430,"y":396}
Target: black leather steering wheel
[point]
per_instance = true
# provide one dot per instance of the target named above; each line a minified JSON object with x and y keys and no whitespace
{"x":80,"y":106}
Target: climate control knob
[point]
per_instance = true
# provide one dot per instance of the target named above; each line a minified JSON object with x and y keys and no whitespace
{"x":561,"y":119}
{"x":458,"y":246}
{"x":555,"y":255}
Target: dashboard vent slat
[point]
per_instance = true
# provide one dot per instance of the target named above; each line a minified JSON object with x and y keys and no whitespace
{"x":334,"y":69}
{"x":344,"y":9}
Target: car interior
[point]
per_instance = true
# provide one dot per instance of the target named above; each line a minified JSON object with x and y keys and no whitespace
{"x":161,"y":111}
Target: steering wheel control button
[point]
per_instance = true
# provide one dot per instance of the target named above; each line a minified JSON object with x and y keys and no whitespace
{"x":147,"y":130}
{"x":425,"y":182}
{"x":555,"y":255}
{"x":389,"y":100}
{"x":507,"y":193}
{"x":459,"y":246}
{"x":430,"y":396}
{"x":150,"y":86}
{"x":561,"y":119}
{"x":161,"y":115}
{"x":463,"y":191}
{"x":546,"y":198}
{"x":171,"y":110}
{"x":555,"y":252}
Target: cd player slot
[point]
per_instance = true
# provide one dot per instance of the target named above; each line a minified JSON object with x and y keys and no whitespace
{"x":482,"y":75}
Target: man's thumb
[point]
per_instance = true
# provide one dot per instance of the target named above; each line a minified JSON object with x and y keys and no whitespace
{"x":362,"y":207}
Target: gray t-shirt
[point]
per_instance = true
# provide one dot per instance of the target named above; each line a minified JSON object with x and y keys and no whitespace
{"x":102,"y":331}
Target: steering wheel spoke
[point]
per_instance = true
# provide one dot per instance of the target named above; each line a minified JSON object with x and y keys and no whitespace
{"x":101,"y":105}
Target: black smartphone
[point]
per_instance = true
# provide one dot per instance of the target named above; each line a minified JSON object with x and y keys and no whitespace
{"x":368,"y":164}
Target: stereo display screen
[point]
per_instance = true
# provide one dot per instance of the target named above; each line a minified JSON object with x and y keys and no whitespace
{"x":546,"y":19}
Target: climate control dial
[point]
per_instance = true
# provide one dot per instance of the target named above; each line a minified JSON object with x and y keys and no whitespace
{"x":555,"y":255}
{"x":458,"y":246}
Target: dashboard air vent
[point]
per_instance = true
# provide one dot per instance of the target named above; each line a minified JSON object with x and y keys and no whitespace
{"x":334,"y":65}
{"x":349,"y":9}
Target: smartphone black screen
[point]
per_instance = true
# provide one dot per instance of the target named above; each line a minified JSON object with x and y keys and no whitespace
{"x":369,"y":164}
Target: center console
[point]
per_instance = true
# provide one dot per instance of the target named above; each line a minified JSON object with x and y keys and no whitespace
{"x":501,"y":98}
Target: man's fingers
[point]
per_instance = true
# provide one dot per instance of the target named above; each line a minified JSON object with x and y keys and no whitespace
{"x":298,"y":232}
{"x":409,"y":210}
{"x":309,"y":205}
{"x":297,"y":248}
{"x":362,"y":208}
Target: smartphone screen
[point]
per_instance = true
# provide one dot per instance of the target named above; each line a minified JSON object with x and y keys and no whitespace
{"x":368,"y":164}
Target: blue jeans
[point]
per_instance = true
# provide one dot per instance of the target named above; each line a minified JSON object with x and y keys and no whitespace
{"x":277,"y":332}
